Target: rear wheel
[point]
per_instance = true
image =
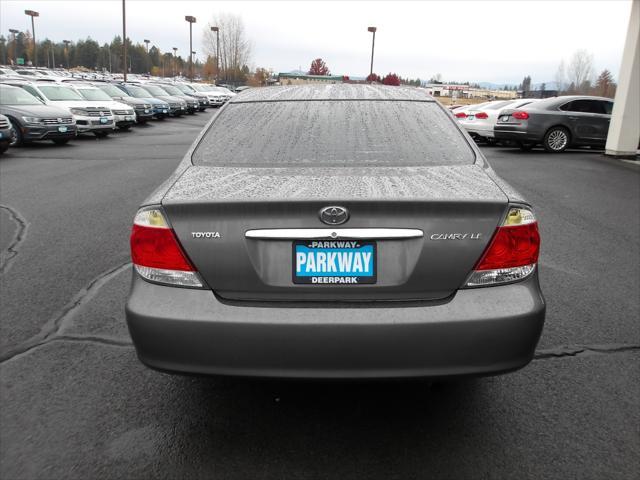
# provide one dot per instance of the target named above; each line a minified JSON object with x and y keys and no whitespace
{"x":61,"y":141}
{"x":101,"y":133}
{"x":556,"y":140}
{"x":17,"y":140}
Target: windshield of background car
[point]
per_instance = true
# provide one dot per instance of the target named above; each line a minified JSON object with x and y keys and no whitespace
{"x":94,"y":94}
{"x":139,"y":92}
{"x":113,"y":91}
{"x":495,"y":106}
{"x":17,"y":96}
{"x":185,"y":88}
{"x":56,"y":94}
{"x":333,"y":133}
{"x":155,"y":91}
{"x":171,"y":90}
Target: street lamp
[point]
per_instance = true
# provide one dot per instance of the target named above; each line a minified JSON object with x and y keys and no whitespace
{"x":66,"y":53}
{"x":33,"y":14}
{"x":124,"y":41}
{"x":175,"y":59}
{"x":147,"y":42}
{"x":217,"y":30}
{"x":373,"y":44}
{"x":14,"y":32}
{"x":191,"y":21}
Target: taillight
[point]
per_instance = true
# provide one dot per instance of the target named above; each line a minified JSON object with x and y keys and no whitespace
{"x":482,"y":115}
{"x":520,"y":115}
{"x":156,"y":252}
{"x":512,"y":253}
{"x":461,"y":115}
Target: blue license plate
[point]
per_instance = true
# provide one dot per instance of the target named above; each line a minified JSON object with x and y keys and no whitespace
{"x":334,"y":262}
{"x":0,"y":134}
{"x":104,"y":120}
{"x":62,"y":129}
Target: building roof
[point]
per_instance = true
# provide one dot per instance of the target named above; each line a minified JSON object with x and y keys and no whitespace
{"x":341,"y":91}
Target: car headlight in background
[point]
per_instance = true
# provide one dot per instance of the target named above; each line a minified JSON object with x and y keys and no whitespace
{"x":31,"y":120}
{"x":78,"y":111}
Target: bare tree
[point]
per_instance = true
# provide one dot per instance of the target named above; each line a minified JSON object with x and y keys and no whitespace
{"x":235,"y":47}
{"x":581,"y":69}
{"x":561,"y":77}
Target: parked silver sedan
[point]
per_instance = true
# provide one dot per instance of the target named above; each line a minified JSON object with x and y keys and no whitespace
{"x":339,"y":231}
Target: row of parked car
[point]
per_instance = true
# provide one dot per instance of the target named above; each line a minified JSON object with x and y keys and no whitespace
{"x":58,"y":109}
{"x":556,"y":123}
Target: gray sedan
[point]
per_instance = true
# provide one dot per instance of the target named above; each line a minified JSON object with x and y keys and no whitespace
{"x":340,"y":231}
{"x":557,"y":123}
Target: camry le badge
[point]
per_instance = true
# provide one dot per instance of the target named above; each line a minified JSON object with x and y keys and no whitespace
{"x":334,"y":215}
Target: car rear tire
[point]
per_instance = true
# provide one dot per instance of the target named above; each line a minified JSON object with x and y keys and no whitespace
{"x":101,"y":134}
{"x":61,"y":141}
{"x":18,"y":139}
{"x":556,"y":140}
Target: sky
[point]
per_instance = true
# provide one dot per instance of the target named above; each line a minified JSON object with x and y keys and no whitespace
{"x":476,"y":41}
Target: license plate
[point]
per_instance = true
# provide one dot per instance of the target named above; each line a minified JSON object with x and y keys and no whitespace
{"x":104,"y":120}
{"x":470,"y":117}
{"x":0,"y":134}
{"x":62,"y":129}
{"x":165,"y":111}
{"x":128,"y":118}
{"x":505,"y":118}
{"x":334,"y":262}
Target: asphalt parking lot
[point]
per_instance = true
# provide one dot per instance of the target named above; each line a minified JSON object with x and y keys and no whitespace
{"x":76,"y":403}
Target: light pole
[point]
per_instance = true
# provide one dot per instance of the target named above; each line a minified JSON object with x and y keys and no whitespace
{"x":33,"y":14}
{"x":66,"y":53}
{"x":217,"y":30}
{"x":373,"y":44}
{"x":175,"y":59}
{"x":14,"y":32}
{"x":191,"y":21}
{"x":147,"y":42}
{"x":124,"y":41}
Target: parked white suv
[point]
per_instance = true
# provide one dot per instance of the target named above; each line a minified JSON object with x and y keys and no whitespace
{"x":123,"y":114}
{"x":93,"y":117}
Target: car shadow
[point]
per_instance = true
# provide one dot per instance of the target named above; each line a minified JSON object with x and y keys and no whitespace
{"x":252,"y":422}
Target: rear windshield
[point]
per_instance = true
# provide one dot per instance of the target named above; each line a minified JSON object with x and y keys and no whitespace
{"x":333,"y":133}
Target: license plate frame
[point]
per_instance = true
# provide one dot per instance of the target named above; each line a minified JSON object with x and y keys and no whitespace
{"x":335,"y":278}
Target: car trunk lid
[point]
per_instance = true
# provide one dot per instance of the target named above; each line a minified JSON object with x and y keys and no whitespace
{"x":455,"y":208}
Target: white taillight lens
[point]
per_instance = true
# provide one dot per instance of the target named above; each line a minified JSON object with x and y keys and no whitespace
{"x":512,"y":254}
{"x":156,"y":252}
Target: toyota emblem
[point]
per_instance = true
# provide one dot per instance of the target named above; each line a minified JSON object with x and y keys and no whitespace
{"x":334,"y":215}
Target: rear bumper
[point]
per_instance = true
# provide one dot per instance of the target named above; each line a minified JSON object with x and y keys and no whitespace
{"x":480,"y":131}
{"x":515,"y":133}
{"x":477,"y":332}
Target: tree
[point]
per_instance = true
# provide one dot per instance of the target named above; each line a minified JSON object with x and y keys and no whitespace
{"x":373,"y":77}
{"x":525,"y":86}
{"x":605,"y":86}
{"x":318,"y":67}
{"x":235,"y":48}
{"x":561,"y":77}
{"x":391,"y":79}
{"x":259,"y":77}
{"x":580,"y":69}
{"x":437,"y":78}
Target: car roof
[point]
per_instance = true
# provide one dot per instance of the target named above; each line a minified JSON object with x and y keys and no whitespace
{"x":332,"y":92}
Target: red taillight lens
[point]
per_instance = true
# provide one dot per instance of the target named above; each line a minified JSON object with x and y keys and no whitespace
{"x":461,"y":115}
{"x":482,"y":115}
{"x":158,"y":248}
{"x":512,"y":246}
{"x":520,"y":115}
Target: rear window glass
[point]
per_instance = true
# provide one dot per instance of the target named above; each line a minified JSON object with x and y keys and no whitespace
{"x":333,"y":133}
{"x":495,"y":106}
